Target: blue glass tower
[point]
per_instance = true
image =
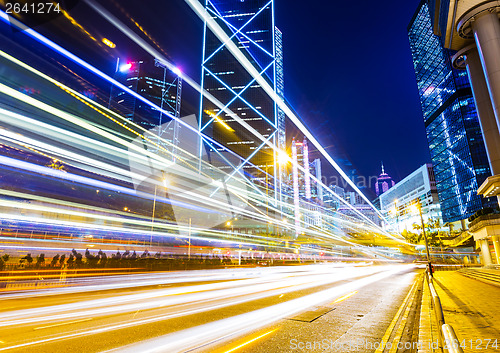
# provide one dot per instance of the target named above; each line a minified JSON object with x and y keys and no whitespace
{"x":453,"y":132}
{"x":250,"y":25}
{"x":154,"y":82}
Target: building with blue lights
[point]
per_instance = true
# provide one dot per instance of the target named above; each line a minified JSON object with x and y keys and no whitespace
{"x":154,"y":82}
{"x":453,"y":131}
{"x":250,"y":25}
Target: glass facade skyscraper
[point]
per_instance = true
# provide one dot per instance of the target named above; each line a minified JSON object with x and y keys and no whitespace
{"x":250,"y":25}
{"x":453,"y":132}
{"x":159,"y":85}
{"x":152,"y":81}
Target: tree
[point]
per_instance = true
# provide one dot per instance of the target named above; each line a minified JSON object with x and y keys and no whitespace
{"x":54,"y":261}
{"x":28,"y":259}
{"x":103,"y":260}
{"x":91,"y":259}
{"x":40,"y":260}
{"x":413,"y":238}
{"x":71,"y":259}
{"x":78,"y":260}
{"x":61,"y":260}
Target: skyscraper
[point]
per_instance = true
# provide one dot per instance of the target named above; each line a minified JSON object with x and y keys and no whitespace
{"x":250,"y":25}
{"x":453,"y":132}
{"x":384,"y":182}
{"x":156,"y":83}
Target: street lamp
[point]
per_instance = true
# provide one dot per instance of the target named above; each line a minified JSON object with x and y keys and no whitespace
{"x":283,"y":157}
{"x":232,"y":227}
{"x":165,"y":183}
{"x":396,"y":211}
{"x":417,"y":207}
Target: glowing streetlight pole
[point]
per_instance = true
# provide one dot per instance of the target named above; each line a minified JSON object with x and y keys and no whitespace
{"x":189,"y":240}
{"x":397,"y":214}
{"x":165,"y":184}
{"x":295,"y":175}
{"x":307,"y":179}
{"x":418,"y":206}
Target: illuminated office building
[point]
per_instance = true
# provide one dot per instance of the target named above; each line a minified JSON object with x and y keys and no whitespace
{"x":397,"y":203}
{"x":453,"y":131}
{"x":154,"y":82}
{"x":250,"y":25}
{"x":304,"y":183}
{"x":316,"y":188}
{"x":384,"y":182}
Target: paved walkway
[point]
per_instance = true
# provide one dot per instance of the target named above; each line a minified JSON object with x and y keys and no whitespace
{"x":470,"y":306}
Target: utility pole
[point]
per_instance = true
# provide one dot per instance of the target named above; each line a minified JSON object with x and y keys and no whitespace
{"x":418,"y":205}
{"x":189,"y":240}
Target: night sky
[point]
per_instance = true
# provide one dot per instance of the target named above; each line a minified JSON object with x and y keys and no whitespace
{"x":348,"y":71}
{"x":350,"y":75}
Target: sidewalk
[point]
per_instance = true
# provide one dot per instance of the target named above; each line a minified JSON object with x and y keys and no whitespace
{"x":470,"y":306}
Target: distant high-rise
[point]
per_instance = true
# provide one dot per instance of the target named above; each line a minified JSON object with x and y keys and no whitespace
{"x":453,"y":132}
{"x":396,"y":204}
{"x":303,"y":177}
{"x":250,"y":25}
{"x":384,"y":182}
{"x":154,"y":82}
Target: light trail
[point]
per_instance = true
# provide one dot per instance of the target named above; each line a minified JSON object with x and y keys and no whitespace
{"x":158,"y":55}
{"x":250,"y":341}
{"x":184,"y":301}
{"x":35,"y":35}
{"x":18,"y":117}
{"x":61,"y":324}
{"x":154,"y":279}
{"x":252,"y":198}
{"x":148,"y":48}
{"x":206,"y":334}
{"x":267,"y":286}
{"x":243,"y":60}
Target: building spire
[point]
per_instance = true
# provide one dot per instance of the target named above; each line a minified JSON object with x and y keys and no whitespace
{"x":382,"y":162}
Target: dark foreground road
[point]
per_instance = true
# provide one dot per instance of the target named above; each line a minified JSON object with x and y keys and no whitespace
{"x":339,"y":308}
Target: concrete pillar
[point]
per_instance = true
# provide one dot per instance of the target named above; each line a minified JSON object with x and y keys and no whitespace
{"x":486,"y":28}
{"x":489,"y":126}
{"x":496,"y":245}
{"x":485,"y":251}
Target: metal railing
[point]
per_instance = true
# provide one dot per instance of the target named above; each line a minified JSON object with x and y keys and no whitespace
{"x":447,"y":338}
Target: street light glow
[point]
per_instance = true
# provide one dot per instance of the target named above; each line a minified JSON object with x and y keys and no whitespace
{"x":219,"y":120}
{"x":109,"y":43}
{"x":283,"y":157}
{"x":125,"y":67}
{"x":177,"y":71}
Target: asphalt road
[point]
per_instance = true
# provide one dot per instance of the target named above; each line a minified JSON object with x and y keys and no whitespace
{"x":340,"y":307}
